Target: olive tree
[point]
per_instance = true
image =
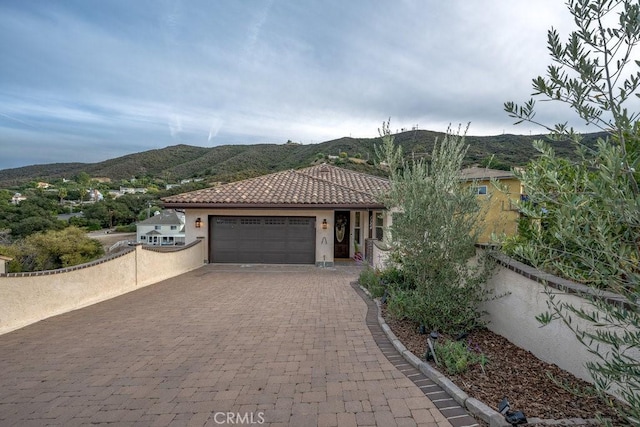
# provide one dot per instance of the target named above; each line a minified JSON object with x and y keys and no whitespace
{"x":434,"y":230}
{"x":584,"y":215}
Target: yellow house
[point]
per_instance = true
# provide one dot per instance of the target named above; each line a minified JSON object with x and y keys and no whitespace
{"x":498,"y":192}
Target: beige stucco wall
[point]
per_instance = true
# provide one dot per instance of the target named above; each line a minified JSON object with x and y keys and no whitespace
{"x":324,"y":238}
{"x":500,"y":213}
{"x":26,"y":299}
{"x":157,"y":265}
{"x":513,"y":317}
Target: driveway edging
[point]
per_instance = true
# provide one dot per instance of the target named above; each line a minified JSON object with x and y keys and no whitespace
{"x":471,"y":404}
{"x":446,"y":401}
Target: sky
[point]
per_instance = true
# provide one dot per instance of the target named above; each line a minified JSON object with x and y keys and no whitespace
{"x":90,"y":80}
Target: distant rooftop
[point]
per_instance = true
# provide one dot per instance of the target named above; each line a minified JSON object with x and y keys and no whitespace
{"x":476,"y":172}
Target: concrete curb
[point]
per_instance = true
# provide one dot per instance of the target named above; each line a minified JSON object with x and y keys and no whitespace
{"x":474,"y":406}
{"x":471,"y":404}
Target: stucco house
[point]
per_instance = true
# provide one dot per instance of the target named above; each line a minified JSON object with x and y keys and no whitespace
{"x":498,"y":192}
{"x":165,"y":228}
{"x":315,"y":215}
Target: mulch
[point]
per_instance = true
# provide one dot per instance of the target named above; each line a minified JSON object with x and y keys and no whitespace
{"x":537,"y":388}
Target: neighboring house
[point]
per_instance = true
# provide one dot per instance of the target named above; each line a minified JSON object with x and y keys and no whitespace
{"x":4,"y":260}
{"x":95,"y":195}
{"x":17,"y":198}
{"x":308,"y":216}
{"x":498,"y":190}
{"x":43,"y":185}
{"x":164,"y":228}
{"x":132,"y":190}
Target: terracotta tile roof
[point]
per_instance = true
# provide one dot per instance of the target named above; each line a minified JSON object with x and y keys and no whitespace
{"x":314,"y":186}
{"x":476,"y":172}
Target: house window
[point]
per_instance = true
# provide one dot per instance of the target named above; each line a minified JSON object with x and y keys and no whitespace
{"x":174,"y":227}
{"x":379,"y":225}
{"x":143,"y":237}
{"x":481,"y":190}
{"x":356,"y":228}
{"x":157,"y":227}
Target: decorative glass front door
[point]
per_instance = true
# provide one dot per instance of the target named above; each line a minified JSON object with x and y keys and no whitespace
{"x":341,"y":239}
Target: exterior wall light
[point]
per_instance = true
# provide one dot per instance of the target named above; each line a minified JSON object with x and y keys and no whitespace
{"x":198,"y":223}
{"x":324,"y":224}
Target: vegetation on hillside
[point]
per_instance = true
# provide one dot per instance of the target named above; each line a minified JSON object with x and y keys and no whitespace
{"x":233,"y":162}
{"x":51,"y":250}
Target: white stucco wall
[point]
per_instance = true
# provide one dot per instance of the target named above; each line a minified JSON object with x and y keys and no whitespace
{"x":26,"y":299}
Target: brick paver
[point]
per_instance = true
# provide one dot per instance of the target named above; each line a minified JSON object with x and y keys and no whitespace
{"x":222,"y":345}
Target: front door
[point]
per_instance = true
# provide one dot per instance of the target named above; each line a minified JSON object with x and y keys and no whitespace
{"x":341,"y":235}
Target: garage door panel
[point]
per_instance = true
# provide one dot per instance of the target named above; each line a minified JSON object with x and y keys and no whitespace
{"x":269,"y":240}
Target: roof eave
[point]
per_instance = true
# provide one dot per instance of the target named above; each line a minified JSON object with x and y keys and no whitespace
{"x":306,"y":206}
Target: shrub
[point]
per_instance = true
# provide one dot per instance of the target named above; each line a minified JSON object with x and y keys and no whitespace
{"x":434,"y":228}
{"x":588,"y":211}
{"x":456,"y":356}
{"x":370,"y":280}
{"x":131,"y":228}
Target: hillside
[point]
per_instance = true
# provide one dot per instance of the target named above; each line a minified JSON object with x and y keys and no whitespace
{"x":233,"y":162}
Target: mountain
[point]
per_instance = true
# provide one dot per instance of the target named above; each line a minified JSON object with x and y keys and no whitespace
{"x":233,"y":162}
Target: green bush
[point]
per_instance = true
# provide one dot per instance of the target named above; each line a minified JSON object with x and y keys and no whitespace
{"x":456,"y":356}
{"x":131,"y":228}
{"x":393,"y":275}
{"x":370,"y":280}
{"x":586,"y":212}
{"x":435,"y":224}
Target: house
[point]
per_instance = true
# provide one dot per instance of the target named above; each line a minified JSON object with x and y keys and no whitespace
{"x":132,"y":190}
{"x":314,"y":215}
{"x":498,"y":192}
{"x":17,"y":198}
{"x":164,"y":228}
{"x":4,"y":260}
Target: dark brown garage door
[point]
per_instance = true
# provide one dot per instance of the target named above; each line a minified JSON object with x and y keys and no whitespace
{"x":263,"y":240}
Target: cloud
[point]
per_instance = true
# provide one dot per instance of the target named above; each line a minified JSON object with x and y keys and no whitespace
{"x":118,"y":77}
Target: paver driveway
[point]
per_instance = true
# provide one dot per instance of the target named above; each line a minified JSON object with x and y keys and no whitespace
{"x":219,"y":345}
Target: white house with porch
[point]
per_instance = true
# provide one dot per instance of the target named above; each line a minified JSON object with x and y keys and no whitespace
{"x":166,"y":228}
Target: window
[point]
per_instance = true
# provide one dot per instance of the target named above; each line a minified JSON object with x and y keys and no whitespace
{"x":379,"y":225}
{"x":174,"y":227}
{"x":356,"y":228}
{"x":157,"y":227}
{"x":143,"y":237}
{"x":482,"y":190}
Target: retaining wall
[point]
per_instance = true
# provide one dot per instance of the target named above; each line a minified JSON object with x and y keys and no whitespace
{"x":522,"y":297}
{"x":27,"y":298}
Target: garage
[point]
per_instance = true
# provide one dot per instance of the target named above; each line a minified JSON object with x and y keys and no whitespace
{"x":262,"y":239}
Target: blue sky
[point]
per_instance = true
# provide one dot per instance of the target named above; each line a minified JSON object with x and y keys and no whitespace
{"x":89,"y":80}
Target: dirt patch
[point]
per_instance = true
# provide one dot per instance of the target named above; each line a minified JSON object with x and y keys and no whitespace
{"x":531,"y":385}
{"x":109,"y":239}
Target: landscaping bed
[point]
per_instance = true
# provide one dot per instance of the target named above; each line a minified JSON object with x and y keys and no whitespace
{"x":537,"y":388}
